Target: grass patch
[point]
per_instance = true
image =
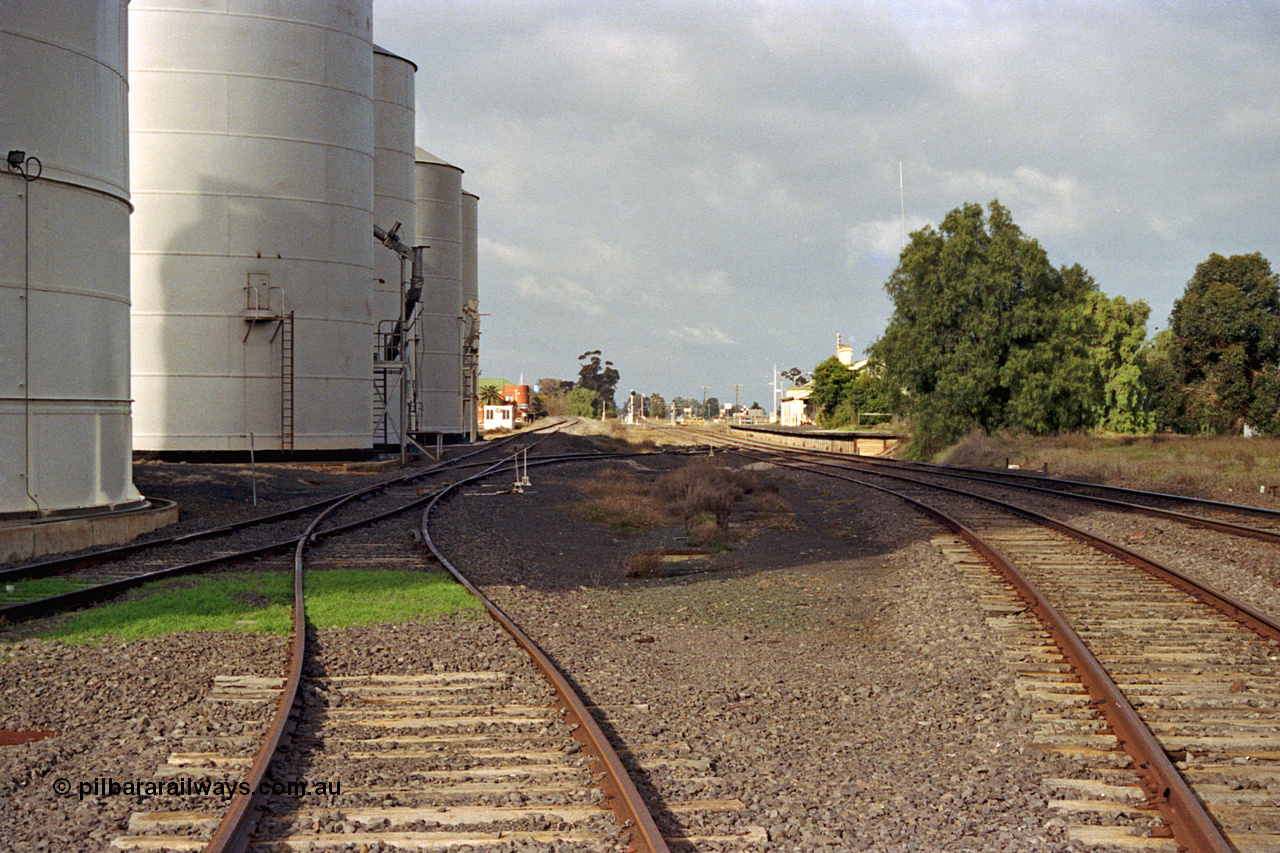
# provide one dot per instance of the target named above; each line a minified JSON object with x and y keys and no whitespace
{"x":620,"y":500}
{"x":263,"y":602}
{"x":29,"y":589}
{"x":336,"y":599}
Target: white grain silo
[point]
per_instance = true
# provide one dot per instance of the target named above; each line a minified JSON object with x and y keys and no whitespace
{"x":64,"y":260}
{"x":251,"y":126}
{"x":470,"y":296}
{"x":438,"y":196}
{"x":393,"y":191}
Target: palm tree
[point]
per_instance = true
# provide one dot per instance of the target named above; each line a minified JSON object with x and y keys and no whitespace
{"x":491,"y":395}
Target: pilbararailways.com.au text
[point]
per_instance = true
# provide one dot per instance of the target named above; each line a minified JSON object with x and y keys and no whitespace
{"x":107,"y":786}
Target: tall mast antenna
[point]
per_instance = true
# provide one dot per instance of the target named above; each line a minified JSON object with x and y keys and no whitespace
{"x":902,"y":202}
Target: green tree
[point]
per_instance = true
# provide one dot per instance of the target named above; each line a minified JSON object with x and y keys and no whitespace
{"x":712,"y":408}
{"x":490,"y":395}
{"x":868,"y":392}
{"x":1223,"y":347}
{"x":582,"y":402}
{"x":1165,"y":393}
{"x":551,"y":387}
{"x":598,"y":376}
{"x":987,"y":333}
{"x":794,"y":376}
{"x":657,"y":406}
{"x":832,"y":380}
{"x":1117,"y":352}
{"x":551,"y":394}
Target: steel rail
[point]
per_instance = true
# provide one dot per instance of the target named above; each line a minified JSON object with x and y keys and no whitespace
{"x":1166,"y":788}
{"x":1004,"y":475}
{"x":1231,"y":528}
{"x":61,"y":565}
{"x":98,"y":592}
{"x":234,"y":832}
{"x":620,"y":791}
{"x":237,"y":825}
{"x":1245,"y":614}
{"x":1194,"y":829}
{"x":93,"y":594}
{"x":236,"y":828}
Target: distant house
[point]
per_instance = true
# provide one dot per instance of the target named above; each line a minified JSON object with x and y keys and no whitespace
{"x":796,"y":408}
{"x":514,"y":408}
{"x":498,"y":417}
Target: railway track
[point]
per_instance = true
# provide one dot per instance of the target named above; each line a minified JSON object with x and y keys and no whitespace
{"x":1243,"y":520}
{"x":474,"y":739}
{"x":1138,"y":667}
{"x":37,"y":589}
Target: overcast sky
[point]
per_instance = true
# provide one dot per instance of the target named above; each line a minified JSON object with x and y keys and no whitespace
{"x":704,"y":190}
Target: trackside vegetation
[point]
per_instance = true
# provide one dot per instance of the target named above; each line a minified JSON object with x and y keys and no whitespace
{"x":262,"y":601}
{"x":987,"y":334}
{"x":1214,"y":370}
{"x":701,"y":496}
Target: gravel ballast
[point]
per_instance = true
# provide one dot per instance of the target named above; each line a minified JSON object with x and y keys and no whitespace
{"x":837,"y":677}
{"x":832,"y":675}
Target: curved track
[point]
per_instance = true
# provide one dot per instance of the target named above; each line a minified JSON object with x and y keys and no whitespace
{"x":1168,"y":668}
{"x":1237,"y":519}
{"x":458,"y":741}
{"x":99,"y":574}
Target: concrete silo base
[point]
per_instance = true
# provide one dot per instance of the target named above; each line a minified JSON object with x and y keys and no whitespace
{"x":23,"y":539}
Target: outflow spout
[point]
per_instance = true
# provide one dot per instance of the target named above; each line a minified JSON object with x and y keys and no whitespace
{"x":391,"y":239}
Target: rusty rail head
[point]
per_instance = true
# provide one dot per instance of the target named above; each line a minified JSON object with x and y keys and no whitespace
{"x":620,"y":791}
{"x":238,"y":824}
{"x":1247,"y":615}
{"x":1168,"y":791}
{"x":1193,"y":828}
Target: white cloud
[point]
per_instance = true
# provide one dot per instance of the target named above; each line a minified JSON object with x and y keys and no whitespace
{"x":880,"y":238}
{"x":1041,"y":204}
{"x":709,"y":336}
{"x":677,"y":168}
{"x":560,"y":293}
{"x":687,"y":284}
{"x":517,"y":257}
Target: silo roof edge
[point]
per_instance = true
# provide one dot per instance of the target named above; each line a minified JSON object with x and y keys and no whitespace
{"x":421,"y":155}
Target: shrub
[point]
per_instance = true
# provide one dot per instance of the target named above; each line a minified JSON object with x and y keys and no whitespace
{"x":642,"y":564}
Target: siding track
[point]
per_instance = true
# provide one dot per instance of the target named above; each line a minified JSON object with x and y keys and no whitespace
{"x":1186,"y":681}
{"x":461,"y":754}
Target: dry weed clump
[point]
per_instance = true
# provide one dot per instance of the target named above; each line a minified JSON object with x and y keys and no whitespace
{"x":765,"y":507}
{"x":642,"y":564}
{"x":619,"y":499}
{"x":703,"y":491}
{"x":701,"y":495}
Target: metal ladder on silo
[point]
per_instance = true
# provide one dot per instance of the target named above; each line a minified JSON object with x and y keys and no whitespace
{"x":380,"y":426}
{"x":286,"y":381}
{"x":388,"y":364}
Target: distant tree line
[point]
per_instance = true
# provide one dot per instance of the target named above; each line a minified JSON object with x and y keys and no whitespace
{"x":590,"y":396}
{"x":987,"y":334}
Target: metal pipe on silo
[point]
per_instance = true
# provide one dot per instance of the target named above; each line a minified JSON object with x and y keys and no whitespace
{"x":64,"y":260}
